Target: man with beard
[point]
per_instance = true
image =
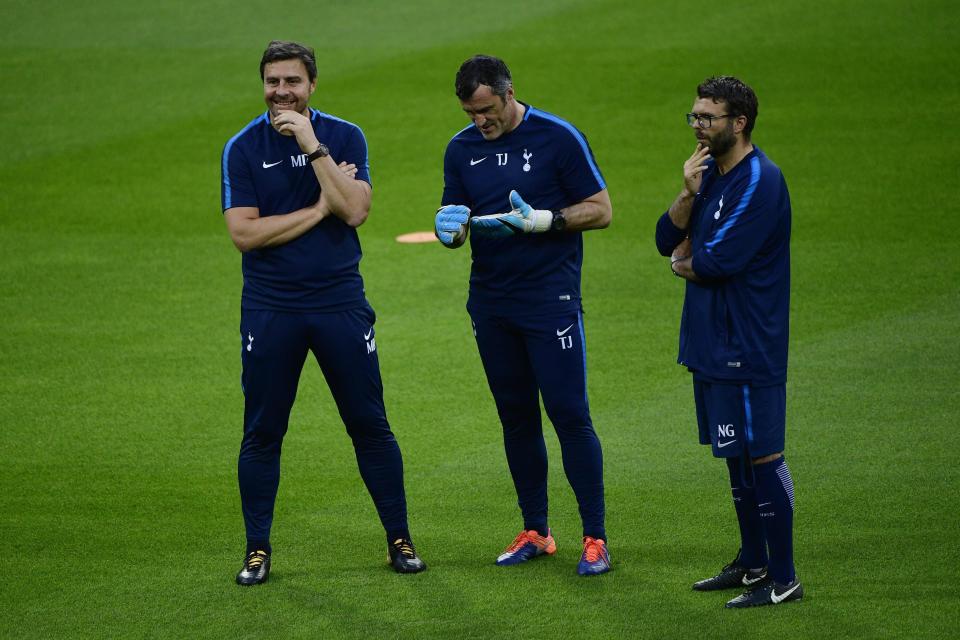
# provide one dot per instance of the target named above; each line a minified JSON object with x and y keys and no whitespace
{"x":728,"y":235}
{"x":292,"y":211}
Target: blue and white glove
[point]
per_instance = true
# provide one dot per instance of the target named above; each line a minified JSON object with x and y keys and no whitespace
{"x":451,"y":225}
{"x":521,"y":219}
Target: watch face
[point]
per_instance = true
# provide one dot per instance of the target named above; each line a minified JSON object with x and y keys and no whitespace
{"x":559,"y":222}
{"x":321,"y":152}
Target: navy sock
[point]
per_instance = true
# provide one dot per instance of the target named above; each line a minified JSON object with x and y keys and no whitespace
{"x":539,"y":527}
{"x":395,"y":534}
{"x":753,"y":544}
{"x":259,"y":545}
{"x":775,"y":504}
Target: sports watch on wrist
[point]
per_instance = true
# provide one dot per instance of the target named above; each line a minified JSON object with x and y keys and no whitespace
{"x":321,"y":152}
{"x":559,"y":222}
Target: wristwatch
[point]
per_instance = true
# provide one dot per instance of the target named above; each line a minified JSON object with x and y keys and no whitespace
{"x":559,"y":222}
{"x":322,"y":151}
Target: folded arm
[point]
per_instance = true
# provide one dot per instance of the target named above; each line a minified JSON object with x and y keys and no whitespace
{"x":249,"y":231}
{"x":347,"y":198}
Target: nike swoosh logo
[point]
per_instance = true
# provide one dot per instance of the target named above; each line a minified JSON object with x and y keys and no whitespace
{"x":267,"y":166}
{"x":474,"y":162}
{"x":749,"y":581}
{"x":366,"y":336}
{"x":721,"y":445}
{"x":777,"y":599}
{"x":564,"y":332}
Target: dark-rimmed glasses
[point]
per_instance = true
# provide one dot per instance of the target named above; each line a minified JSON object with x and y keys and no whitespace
{"x":705,"y":120}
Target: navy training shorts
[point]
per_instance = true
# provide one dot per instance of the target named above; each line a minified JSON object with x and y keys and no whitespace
{"x":737,"y":418}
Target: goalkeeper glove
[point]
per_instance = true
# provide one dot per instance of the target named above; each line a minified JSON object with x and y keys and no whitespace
{"x":521,"y":219}
{"x":451,"y":225}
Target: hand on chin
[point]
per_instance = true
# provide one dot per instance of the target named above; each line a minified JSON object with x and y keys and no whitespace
{"x":274,"y":112}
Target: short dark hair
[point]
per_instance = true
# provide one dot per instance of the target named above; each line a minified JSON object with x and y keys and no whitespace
{"x":281,"y":50}
{"x":479,"y":70}
{"x":740,"y":99}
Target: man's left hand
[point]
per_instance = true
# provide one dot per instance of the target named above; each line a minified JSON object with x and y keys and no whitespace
{"x":680,"y":263}
{"x":681,"y":251}
{"x":291,"y":123}
{"x":522,"y":218}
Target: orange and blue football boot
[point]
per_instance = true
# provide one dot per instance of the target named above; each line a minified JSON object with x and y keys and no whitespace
{"x":595,"y":559}
{"x":527,"y":546}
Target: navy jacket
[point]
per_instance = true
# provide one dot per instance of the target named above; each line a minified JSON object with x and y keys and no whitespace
{"x":735,"y":324}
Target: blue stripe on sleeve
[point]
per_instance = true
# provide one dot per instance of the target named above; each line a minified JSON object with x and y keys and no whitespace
{"x":578,"y":137}
{"x":466,"y":128}
{"x":227,"y":194}
{"x":744,"y":202}
{"x":317,"y":113}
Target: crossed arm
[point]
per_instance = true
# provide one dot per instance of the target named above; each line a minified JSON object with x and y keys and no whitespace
{"x":341,"y":195}
{"x":681,"y":262}
{"x":348,"y":199}
{"x":249,"y":231}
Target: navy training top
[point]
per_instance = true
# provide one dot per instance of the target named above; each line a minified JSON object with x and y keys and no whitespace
{"x":550,"y":164}
{"x":735,"y":324}
{"x":319,"y":270}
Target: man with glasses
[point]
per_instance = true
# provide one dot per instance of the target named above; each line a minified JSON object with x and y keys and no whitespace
{"x":728,"y":235}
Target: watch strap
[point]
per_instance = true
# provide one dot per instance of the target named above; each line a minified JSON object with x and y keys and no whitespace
{"x":321,"y":152}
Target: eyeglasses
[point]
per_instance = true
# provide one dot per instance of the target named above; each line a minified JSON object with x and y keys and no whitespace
{"x":705,"y":120}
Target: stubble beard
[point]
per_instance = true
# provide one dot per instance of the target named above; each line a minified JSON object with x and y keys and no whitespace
{"x":722,"y":141}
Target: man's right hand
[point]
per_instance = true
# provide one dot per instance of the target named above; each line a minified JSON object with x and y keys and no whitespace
{"x":451,"y":225}
{"x":693,"y":170}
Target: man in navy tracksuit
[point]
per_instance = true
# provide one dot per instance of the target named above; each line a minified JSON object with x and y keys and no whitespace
{"x":295,"y":185}
{"x":728,"y":235}
{"x":526,"y":185}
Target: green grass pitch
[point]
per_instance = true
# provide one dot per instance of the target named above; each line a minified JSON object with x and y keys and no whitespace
{"x":120,"y":403}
